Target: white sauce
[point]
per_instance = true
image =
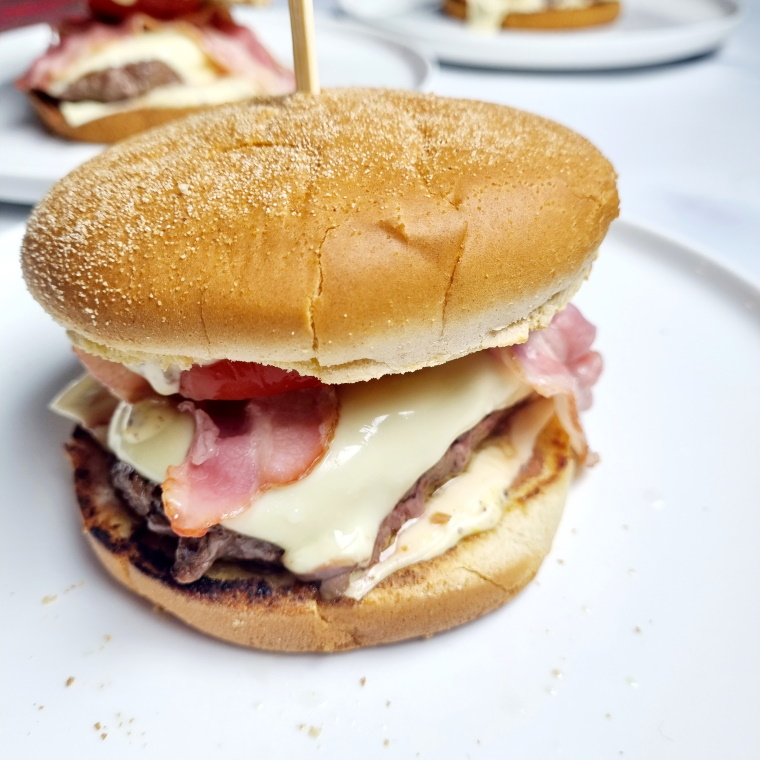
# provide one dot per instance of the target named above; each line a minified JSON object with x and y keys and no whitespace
{"x":163,"y":380}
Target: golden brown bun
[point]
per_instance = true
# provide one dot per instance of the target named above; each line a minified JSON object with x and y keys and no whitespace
{"x":553,"y":18}
{"x":346,"y":236}
{"x":279,"y":613}
{"x":107,"y":129}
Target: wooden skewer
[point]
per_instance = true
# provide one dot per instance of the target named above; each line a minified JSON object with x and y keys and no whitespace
{"x":304,"y":45}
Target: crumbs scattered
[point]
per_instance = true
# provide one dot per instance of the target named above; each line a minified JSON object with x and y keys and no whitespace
{"x":558,"y":674}
{"x":637,"y":629}
{"x":363,"y":680}
{"x":388,"y":703}
{"x":97,"y":726}
{"x":386,"y":742}
{"x":50,"y":598}
{"x":103,"y":736}
{"x":313,"y":731}
{"x":40,"y":707}
{"x":69,"y":681}
{"x":560,"y":561}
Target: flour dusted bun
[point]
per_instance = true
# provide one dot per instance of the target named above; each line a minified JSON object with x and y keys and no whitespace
{"x":347,"y":235}
{"x":279,"y":613}
{"x":552,"y":18}
{"x":107,"y":129}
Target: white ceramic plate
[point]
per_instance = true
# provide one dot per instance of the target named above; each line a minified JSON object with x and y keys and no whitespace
{"x":647,"y":32}
{"x":637,"y":640}
{"x":32,"y":160}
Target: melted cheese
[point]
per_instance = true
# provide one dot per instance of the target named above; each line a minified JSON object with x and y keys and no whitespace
{"x":472,"y":502}
{"x":88,"y":403}
{"x":390,"y":431}
{"x":221,"y":90}
{"x":151,"y":435}
{"x":488,"y":15}
{"x":178,"y":51}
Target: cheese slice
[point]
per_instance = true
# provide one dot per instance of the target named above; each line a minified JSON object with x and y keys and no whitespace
{"x":472,"y":502}
{"x":151,"y":435}
{"x":390,"y":431}
{"x":178,"y":51}
{"x":222,"y":90}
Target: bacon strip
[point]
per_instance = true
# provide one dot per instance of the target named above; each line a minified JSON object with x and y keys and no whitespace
{"x":232,"y":48}
{"x":559,"y":363}
{"x":242,"y":449}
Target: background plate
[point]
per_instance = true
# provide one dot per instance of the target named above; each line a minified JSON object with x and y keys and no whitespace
{"x":32,"y":160}
{"x":647,"y":32}
{"x":638,"y":638}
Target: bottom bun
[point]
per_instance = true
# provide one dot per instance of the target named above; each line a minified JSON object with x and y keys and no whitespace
{"x":106,"y":129}
{"x":553,"y":18}
{"x":271,"y":611}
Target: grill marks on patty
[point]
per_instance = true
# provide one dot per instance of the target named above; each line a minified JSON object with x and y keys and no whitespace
{"x":195,"y":556}
{"x":120,"y":83}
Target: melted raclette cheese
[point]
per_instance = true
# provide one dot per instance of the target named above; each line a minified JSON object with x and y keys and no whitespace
{"x":390,"y":431}
{"x":222,"y":90}
{"x":470,"y":503}
{"x":151,"y":435}
{"x":178,"y":51}
{"x":202,"y":82}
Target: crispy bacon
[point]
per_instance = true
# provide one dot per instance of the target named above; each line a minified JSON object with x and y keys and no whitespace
{"x":559,"y":363}
{"x":242,"y":449}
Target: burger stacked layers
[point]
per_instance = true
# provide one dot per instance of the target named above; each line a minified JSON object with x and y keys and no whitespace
{"x":307,"y":423}
{"x":127,"y":67}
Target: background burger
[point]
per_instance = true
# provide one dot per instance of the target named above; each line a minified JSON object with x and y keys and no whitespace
{"x":307,"y":423}
{"x":491,"y":15}
{"x":129,"y":66}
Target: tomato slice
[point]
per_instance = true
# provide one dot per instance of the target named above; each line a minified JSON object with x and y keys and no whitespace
{"x":113,"y":10}
{"x":235,"y":381}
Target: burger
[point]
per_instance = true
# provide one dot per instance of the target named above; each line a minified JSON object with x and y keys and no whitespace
{"x":491,"y":15}
{"x":132,"y":65}
{"x":333,"y":375}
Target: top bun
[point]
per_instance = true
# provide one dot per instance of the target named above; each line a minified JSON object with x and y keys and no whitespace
{"x":346,"y":235}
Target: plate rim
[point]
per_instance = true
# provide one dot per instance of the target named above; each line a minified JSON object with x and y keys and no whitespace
{"x":687,"y":41}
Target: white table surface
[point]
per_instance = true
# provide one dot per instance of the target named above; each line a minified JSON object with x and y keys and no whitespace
{"x":683,"y":137}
